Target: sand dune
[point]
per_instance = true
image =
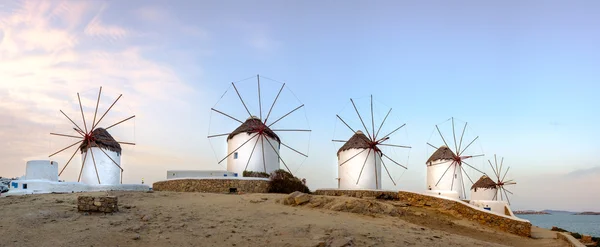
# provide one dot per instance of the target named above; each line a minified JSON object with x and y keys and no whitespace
{"x":198,"y":219}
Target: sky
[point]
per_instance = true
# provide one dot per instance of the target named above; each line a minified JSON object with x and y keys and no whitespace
{"x":524,"y":75}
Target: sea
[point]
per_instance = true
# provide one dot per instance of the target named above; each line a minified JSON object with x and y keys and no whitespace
{"x":583,"y":224}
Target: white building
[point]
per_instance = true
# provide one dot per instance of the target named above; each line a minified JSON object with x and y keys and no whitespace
{"x":108,"y":172}
{"x":348,"y":173}
{"x":484,"y":195}
{"x":42,"y":177}
{"x":238,"y":161}
{"x":484,"y":189}
{"x":442,"y":167}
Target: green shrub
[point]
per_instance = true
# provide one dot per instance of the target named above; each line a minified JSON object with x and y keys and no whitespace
{"x":558,"y":229}
{"x":284,"y":182}
{"x":576,"y":235}
{"x":256,"y":174}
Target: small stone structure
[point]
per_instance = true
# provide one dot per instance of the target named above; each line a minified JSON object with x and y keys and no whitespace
{"x":514,"y":226}
{"x":105,"y":204}
{"x":393,"y":195}
{"x":246,"y":185}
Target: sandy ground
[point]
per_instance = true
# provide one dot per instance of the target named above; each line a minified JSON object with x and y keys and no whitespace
{"x":198,"y":219}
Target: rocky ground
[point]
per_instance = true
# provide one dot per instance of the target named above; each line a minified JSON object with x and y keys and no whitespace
{"x":198,"y":219}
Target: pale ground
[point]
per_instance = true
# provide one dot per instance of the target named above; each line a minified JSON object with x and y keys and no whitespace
{"x":198,"y":219}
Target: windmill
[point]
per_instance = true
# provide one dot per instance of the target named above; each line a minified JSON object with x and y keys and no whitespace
{"x":243,"y":150}
{"x":445,"y":159}
{"x":500,"y":179}
{"x":361,"y":151}
{"x":104,"y":150}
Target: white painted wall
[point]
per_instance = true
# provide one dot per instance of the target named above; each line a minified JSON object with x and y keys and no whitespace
{"x":109,"y":173}
{"x":45,"y":186}
{"x":348,"y":173}
{"x":443,"y":193}
{"x":256,"y":162}
{"x":483,"y":194}
{"x":171,"y":174}
{"x":41,"y":169}
{"x":494,"y":206}
{"x":436,"y":169}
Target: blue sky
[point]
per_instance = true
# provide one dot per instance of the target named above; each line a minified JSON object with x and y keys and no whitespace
{"x":523,"y":74}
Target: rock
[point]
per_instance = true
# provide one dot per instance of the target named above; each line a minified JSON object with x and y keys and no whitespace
{"x":301,"y":199}
{"x":146,"y":218}
{"x":136,"y":237}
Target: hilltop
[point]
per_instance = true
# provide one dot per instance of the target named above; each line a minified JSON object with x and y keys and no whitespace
{"x":184,"y":219}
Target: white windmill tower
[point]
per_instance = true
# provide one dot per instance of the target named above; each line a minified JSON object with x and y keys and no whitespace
{"x":256,"y":145}
{"x":439,"y":180}
{"x":490,"y":194}
{"x":361,"y":157}
{"x":101,"y":153}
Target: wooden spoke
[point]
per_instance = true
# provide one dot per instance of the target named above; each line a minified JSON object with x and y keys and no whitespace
{"x":361,"y":120}
{"x":79,"y":128}
{"x":249,"y":158}
{"x":95,"y":167}
{"x":111,"y":106}
{"x":240,"y":96}
{"x":97,"y":103}
{"x":388,"y":172}
{"x":78,"y":137}
{"x":277,"y":152}
{"x":363,"y":167}
{"x":66,"y":148}
{"x":119,"y":122}
{"x":61,"y":171}
{"x":293,"y":149}
{"x":394,"y":161}
{"x":352,"y":157}
{"x":82,"y":115}
{"x":282,"y":117}
{"x":443,"y":174}
{"x":240,"y":121}
{"x":272,"y":105}
{"x":238,"y":148}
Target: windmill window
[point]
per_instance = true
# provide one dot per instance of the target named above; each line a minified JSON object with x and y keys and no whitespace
{"x":24,"y":186}
{"x":235,"y":155}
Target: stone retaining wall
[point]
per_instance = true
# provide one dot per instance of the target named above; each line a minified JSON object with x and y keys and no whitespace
{"x":359,"y":193}
{"x":213,"y":185}
{"x":105,"y":204}
{"x":458,"y":209}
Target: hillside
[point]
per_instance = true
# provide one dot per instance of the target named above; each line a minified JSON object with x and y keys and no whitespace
{"x":197,"y":219}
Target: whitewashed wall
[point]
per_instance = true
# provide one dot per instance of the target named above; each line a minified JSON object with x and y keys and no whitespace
{"x":495,"y":206}
{"x":109,"y":173}
{"x":256,"y":162}
{"x":348,"y":173}
{"x":435,"y":172}
{"x":41,"y":169}
{"x":483,"y":194}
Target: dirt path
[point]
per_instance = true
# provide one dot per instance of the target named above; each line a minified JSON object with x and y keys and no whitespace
{"x":197,"y":219}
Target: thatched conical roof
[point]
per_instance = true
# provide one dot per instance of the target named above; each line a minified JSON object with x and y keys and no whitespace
{"x":484,"y":183}
{"x":102,"y":139}
{"x":253,"y":125}
{"x":443,"y":153}
{"x":358,"y":141}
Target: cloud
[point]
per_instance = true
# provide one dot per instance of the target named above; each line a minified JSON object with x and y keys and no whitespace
{"x":594,"y":171}
{"x":51,"y":50}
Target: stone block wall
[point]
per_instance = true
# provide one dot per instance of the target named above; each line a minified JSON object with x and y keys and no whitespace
{"x":458,"y":209}
{"x":105,"y":204}
{"x":213,"y":185}
{"x":391,"y":195}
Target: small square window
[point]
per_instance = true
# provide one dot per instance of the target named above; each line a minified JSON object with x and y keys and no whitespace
{"x":235,"y":155}
{"x":24,"y":186}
